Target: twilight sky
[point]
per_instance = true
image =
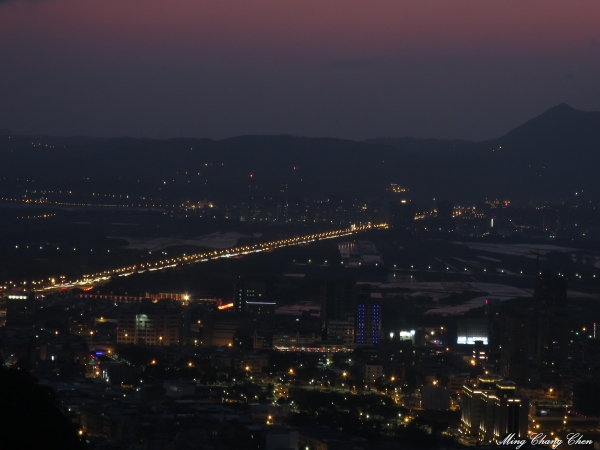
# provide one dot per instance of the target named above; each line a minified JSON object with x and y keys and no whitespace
{"x":469,"y":69}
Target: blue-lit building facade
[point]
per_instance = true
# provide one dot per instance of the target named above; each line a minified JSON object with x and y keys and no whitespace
{"x":368,"y":322}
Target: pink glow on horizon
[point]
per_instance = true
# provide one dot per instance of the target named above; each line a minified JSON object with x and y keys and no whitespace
{"x":309,"y":29}
{"x":344,"y":68}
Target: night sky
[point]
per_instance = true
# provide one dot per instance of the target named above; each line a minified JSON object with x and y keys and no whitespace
{"x":341,"y":68}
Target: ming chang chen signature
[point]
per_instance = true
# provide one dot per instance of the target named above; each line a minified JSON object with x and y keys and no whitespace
{"x":542,"y":439}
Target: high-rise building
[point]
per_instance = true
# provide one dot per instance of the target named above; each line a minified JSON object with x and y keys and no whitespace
{"x":368,"y":322}
{"x":445,"y":211}
{"x":338,"y":300}
{"x":492,"y":409}
{"x":151,"y":324}
{"x":550,"y":294}
{"x":471,"y":403}
{"x":550,"y":304}
{"x":282,"y":203}
{"x":514,"y":345}
{"x":492,"y":314}
{"x":503,"y":412}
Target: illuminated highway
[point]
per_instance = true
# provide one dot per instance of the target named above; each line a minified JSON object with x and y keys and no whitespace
{"x":89,"y":280}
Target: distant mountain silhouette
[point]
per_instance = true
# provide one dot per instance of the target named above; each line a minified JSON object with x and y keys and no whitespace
{"x":559,"y":125}
{"x":548,"y":158}
{"x":426,"y":147}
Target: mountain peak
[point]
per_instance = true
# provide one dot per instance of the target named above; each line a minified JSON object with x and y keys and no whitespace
{"x":561,"y":107}
{"x":558,"y":122}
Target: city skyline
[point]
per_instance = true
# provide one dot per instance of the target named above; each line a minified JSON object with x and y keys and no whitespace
{"x":283,"y":225}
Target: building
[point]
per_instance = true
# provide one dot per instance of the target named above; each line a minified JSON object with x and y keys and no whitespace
{"x":98,"y":422}
{"x":282,"y":203}
{"x":492,"y":409}
{"x":338,"y":300}
{"x":456,"y":381}
{"x":168,"y":296}
{"x":68,"y":348}
{"x":550,"y":293}
{"x":372,"y":371}
{"x":471,"y":402}
{"x":435,"y":397}
{"x":393,"y":351}
{"x":221,"y":360}
{"x":341,"y":330}
{"x":514,"y":349}
{"x":445,"y":212}
{"x":479,"y":354}
{"x":220,"y":328}
{"x":251,"y":363}
{"x":295,"y":340}
{"x":20,"y":311}
{"x":281,"y":439}
{"x":401,"y":214}
{"x":119,"y":373}
{"x":550,"y":305}
{"x":253,"y":299}
{"x":179,"y":388}
{"x":248,"y":293}
{"x":263,"y":314}
{"x":150,"y":324}
{"x":586,"y":398}
{"x":503,"y":412}
{"x":368,"y":322}
{"x":472,"y":330}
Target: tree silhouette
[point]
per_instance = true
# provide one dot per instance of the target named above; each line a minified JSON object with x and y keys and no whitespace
{"x":29,"y":415}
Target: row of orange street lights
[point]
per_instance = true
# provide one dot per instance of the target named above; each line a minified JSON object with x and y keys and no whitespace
{"x":97,"y":277}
